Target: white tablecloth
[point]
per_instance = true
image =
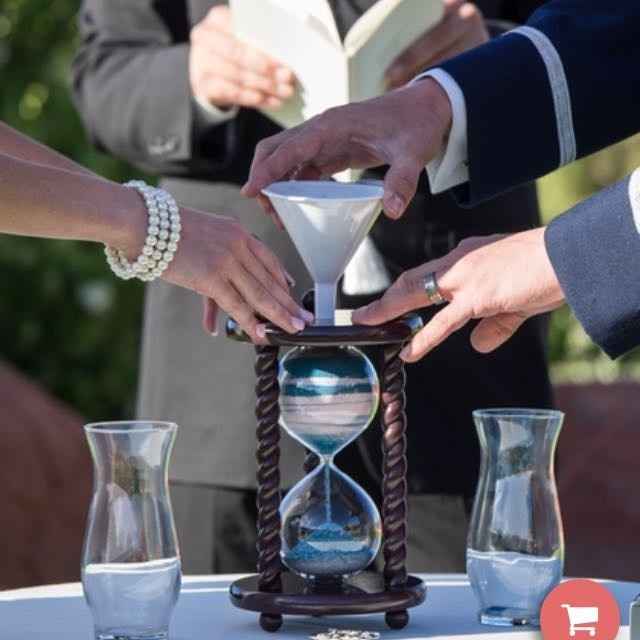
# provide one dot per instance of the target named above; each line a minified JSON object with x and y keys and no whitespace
{"x":205,"y":613}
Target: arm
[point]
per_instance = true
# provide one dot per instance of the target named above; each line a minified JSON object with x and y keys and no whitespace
{"x":540,"y":97}
{"x":518,"y":128}
{"x":17,"y":145}
{"x":216,"y":257}
{"x":590,"y":256}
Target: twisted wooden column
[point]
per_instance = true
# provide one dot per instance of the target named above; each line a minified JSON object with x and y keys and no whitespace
{"x":268,"y":476}
{"x":394,"y":471}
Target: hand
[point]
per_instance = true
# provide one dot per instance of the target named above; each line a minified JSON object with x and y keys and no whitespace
{"x":219,"y":259}
{"x":404,"y":129}
{"x":502,"y":279}
{"x":226,"y":72}
{"x":461,"y":28}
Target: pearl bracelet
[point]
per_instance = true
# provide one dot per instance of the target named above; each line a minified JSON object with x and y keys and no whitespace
{"x":163,"y":235}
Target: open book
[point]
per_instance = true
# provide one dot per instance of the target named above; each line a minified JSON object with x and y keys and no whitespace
{"x":303,"y":35}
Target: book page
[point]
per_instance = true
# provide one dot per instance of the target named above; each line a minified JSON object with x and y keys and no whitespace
{"x":382,"y":34}
{"x":303,"y":41}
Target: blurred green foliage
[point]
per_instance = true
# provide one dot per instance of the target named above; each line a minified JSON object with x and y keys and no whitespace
{"x":65,"y":321}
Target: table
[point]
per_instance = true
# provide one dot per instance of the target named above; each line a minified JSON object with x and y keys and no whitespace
{"x":204,"y":612}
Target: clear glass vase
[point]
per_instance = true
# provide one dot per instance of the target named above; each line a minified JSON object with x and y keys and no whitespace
{"x":131,"y":563}
{"x":515,"y":551}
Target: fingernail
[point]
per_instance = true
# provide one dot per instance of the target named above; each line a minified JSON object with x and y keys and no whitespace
{"x":273,"y":103}
{"x":283,"y":74}
{"x":215,"y":333}
{"x":307,"y":315}
{"x":261,"y":331}
{"x":284,"y":90}
{"x":395,"y":206}
{"x":405,"y":353}
{"x":290,"y":279}
{"x":298,"y":324}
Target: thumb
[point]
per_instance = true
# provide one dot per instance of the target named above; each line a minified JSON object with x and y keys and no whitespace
{"x":400,"y":185}
{"x":491,"y":333}
{"x":210,"y":316}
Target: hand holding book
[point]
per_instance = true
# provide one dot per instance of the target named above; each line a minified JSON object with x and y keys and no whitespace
{"x":225,"y":72}
{"x":462,"y":27}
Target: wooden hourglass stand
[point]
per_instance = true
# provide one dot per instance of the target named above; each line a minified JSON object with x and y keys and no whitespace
{"x":274,"y":591}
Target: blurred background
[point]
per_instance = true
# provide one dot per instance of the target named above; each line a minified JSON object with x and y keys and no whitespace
{"x":69,"y":342}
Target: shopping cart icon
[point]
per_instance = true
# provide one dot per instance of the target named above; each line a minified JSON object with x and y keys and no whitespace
{"x":579,"y":617}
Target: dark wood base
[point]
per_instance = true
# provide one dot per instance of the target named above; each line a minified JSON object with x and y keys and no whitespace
{"x":360,"y":594}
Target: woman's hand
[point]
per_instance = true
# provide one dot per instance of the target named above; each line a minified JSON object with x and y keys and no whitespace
{"x":219,"y":259}
{"x":227,"y":72}
{"x":461,"y":28}
{"x":502,"y":280}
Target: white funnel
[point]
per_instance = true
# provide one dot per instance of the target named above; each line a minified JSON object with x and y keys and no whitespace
{"x":327,"y":221}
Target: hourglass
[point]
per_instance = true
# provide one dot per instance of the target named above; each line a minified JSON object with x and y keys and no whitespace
{"x":316,"y":548}
{"x":330,"y":527}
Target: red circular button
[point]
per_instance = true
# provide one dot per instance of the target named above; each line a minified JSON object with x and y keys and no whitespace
{"x":581,"y":609}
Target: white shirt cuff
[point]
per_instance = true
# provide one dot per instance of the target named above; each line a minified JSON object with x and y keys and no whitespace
{"x":212,"y":114}
{"x":450,"y":168}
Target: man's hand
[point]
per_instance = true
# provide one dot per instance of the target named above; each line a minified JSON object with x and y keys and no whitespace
{"x":226,"y":72}
{"x":404,"y":129}
{"x":504,"y":280}
{"x":461,"y":28}
{"x":219,"y":259}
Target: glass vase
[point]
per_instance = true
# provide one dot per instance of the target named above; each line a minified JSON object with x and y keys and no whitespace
{"x":131,"y":572}
{"x":515,"y":551}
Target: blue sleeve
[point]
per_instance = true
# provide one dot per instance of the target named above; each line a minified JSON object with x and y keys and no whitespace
{"x":541,"y":96}
{"x":595,"y":251}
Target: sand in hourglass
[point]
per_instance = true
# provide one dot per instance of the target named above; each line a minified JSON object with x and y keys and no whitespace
{"x":328,"y":397}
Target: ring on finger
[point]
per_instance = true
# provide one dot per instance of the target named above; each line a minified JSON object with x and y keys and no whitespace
{"x":431,"y":289}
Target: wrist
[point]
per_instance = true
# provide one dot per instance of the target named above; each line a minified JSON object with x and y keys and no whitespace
{"x":127,"y":224}
{"x":429,"y":93}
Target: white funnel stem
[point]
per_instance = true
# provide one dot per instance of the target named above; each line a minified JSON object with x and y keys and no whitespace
{"x":324,"y":302}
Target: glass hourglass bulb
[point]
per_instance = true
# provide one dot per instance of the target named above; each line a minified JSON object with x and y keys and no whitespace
{"x":328,"y":397}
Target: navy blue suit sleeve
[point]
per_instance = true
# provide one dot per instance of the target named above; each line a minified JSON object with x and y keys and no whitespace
{"x":595,"y":251}
{"x":514,"y":123}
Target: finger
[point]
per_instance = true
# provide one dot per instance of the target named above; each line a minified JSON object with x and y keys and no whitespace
{"x":278,"y":293}
{"x":219,"y":18}
{"x":438,"y":329}
{"x":406,"y":294}
{"x":223,"y":92}
{"x":403,"y":296}
{"x":229,"y":299}
{"x":491,"y":333}
{"x":225,"y":45}
{"x":210,"y":316}
{"x":267,"y":84}
{"x":419,"y":54}
{"x":400,"y":184}
{"x":291,"y":152}
{"x":263,"y":150}
{"x":265,"y":267}
{"x":263,"y":300}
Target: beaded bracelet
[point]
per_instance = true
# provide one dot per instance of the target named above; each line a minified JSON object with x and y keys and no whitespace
{"x":163,"y":235}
